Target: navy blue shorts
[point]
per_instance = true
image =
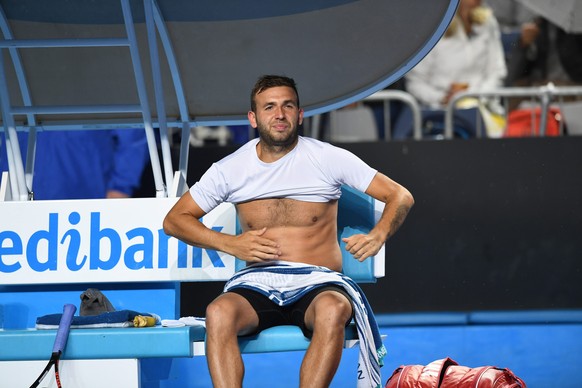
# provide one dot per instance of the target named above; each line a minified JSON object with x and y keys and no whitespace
{"x":271,"y":314}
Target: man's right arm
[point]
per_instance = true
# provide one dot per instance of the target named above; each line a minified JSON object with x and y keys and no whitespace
{"x":183,"y":222}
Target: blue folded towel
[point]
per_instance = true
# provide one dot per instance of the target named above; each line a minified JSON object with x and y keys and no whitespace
{"x":121,"y":318}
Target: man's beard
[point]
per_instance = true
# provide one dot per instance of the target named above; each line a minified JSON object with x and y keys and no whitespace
{"x":279,"y":142}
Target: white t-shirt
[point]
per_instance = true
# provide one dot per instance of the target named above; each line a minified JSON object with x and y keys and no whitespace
{"x":313,"y":172}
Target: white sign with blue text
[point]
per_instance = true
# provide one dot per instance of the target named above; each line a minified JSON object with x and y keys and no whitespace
{"x":106,"y":240}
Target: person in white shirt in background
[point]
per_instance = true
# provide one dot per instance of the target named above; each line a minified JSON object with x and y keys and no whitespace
{"x":469,"y":57}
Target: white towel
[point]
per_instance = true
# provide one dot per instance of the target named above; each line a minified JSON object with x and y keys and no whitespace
{"x":184,"y":321}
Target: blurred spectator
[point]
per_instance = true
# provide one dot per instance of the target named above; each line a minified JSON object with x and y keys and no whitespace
{"x":545,"y":53}
{"x":468,"y":57}
{"x":85,"y":164}
{"x":510,"y":14}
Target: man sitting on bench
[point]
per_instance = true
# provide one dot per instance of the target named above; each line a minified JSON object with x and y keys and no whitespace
{"x":286,"y":188}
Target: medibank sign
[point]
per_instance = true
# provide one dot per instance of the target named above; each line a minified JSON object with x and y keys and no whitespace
{"x":104,"y":241}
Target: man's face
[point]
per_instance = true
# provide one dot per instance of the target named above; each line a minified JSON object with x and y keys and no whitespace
{"x":277,"y":116}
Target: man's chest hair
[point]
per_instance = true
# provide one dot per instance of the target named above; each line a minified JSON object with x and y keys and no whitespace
{"x":282,"y":212}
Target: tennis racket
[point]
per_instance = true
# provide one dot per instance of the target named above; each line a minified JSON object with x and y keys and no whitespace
{"x":60,"y":342}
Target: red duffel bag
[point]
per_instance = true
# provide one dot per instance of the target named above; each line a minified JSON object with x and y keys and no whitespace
{"x":447,"y":373}
{"x":526,"y":122}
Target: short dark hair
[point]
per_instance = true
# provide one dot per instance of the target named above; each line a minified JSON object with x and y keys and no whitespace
{"x":270,"y":81}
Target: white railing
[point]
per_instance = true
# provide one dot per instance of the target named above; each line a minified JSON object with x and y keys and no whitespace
{"x":544,"y":95}
{"x":386,"y":96}
{"x":398,"y":95}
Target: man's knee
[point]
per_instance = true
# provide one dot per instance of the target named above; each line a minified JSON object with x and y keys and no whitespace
{"x":214,"y":310}
{"x":220,"y":312}
{"x":332,"y":308}
{"x":230,"y":313}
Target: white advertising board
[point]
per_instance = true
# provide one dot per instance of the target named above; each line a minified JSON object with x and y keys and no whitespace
{"x":105,"y":240}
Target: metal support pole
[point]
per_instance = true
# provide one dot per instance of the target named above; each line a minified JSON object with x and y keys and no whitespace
{"x":19,"y":189}
{"x":179,"y":89}
{"x":158,"y":92}
{"x":143,"y":98}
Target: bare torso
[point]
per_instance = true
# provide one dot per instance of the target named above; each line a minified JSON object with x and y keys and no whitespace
{"x":305,"y":231}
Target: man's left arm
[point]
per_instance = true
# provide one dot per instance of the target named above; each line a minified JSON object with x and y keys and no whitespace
{"x":398,"y":202}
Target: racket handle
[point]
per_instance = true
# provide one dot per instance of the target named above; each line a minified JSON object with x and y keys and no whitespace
{"x":64,"y":326}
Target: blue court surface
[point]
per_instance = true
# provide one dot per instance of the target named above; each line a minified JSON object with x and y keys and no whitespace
{"x":543,"y":354}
